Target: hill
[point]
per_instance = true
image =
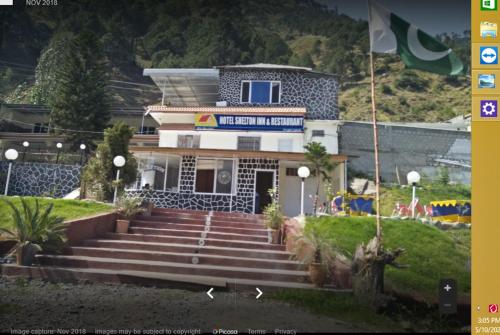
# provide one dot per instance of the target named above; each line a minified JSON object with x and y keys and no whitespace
{"x":199,"y":33}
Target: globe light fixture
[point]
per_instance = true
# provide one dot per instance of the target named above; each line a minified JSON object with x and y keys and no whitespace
{"x":413,"y":178}
{"x":11,"y":155}
{"x":83,"y":146}
{"x":303,"y":173}
{"x":118,"y":161}
{"x":59,"y":145}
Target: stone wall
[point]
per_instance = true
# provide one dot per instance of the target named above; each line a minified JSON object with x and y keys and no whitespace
{"x":37,"y":179}
{"x":317,"y":92}
{"x":242,"y":202}
{"x":407,"y":148}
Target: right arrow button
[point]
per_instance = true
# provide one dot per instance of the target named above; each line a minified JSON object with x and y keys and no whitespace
{"x":260,"y":293}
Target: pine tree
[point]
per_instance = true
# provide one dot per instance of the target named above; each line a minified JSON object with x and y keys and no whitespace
{"x":80,"y":101}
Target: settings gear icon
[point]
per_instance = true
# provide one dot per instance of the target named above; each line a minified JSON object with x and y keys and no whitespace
{"x":489,"y":108}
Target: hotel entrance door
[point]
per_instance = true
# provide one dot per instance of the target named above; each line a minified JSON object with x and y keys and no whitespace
{"x":264,"y":180}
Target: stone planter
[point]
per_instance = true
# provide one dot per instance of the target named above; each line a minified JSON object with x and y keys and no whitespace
{"x":276,"y":236}
{"x":317,"y":272}
{"x":25,"y":254}
{"x":122,"y":226}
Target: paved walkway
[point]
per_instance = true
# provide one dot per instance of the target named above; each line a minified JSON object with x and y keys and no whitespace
{"x":40,"y":305}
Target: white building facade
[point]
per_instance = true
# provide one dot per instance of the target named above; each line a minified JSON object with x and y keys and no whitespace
{"x":228,"y":135}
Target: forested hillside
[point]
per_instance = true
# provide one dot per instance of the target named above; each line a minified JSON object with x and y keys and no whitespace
{"x":198,"y":33}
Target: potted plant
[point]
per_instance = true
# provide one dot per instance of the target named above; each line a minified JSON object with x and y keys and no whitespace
{"x":317,"y":252}
{"x":127,"y":208}
{"x":34,"y":229}
{"x":273,"y":217}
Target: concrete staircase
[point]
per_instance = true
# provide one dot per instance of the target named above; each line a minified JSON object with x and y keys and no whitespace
{"x":207,"y":249}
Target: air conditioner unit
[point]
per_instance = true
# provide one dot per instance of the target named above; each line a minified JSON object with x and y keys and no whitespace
{"x":221,"y":104}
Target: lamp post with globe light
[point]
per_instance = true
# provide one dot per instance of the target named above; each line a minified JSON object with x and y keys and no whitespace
{"x":26,"y":144}
{"x":118,"y":161}
{"x":82,"y":148}
{"x":303,"y":173}
{"x":11,"y":155}
{"x":413,"y":178}
{"x":59,"y":147}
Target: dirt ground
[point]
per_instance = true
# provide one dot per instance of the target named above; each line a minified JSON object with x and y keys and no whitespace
{"x":121,"y":309}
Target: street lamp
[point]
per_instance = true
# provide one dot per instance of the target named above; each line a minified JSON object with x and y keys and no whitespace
{"x":413,"y":178}
{"x":59,"y":146}
{"x":11,"y":155}
{"x":303,"y":173}
{"x":118,"y":161}
{"x":26,"y":144}
{"x":82,"y":148}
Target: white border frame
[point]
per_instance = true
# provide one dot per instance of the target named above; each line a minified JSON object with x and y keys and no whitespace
{"x":255,"y":182}
{"x":249,"y":102}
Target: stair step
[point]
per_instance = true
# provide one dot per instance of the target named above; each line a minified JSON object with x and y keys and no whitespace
{"x":183,"y":248}
{"x":194,"y":241}
{"x":176,"y":268}
{"x":196,"y":227}
{"x":215,"y":214}
{"x":201,"y":221}
{"x":187,"y":258}
{"x":197,"y":234}
{"x":146,"y":278}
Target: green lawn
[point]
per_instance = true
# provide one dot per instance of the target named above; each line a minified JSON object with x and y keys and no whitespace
{"x":69,"y":209}
{"x":425,"y":193}
{"x":431,"y":254}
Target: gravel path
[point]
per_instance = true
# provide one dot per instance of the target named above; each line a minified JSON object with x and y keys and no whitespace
{"x":37,"y":304}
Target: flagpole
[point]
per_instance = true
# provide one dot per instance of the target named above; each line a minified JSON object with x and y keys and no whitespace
{"x":375,"y":137}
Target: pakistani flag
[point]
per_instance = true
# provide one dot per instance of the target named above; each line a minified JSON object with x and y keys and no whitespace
{"x":391,"y":34}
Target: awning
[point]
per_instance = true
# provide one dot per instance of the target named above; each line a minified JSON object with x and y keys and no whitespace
{"x":186,"y":87}
{"x":224,"y":153}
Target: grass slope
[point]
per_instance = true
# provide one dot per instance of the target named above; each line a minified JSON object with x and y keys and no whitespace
{"x":431,"y":254}
{"x":68,"y":209}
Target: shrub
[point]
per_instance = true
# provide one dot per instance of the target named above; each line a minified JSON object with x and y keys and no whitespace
{"x":411,"y":81}
{"x":386,"y":89}
{"x":273,"y":217}
{"x":129,"y":207}
{"x":34,"y":229}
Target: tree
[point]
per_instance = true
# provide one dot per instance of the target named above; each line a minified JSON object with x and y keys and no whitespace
{"x":444,"y":175}
{"x":46,"y":70}
{"x":100,"y":172}
{"x":321,"y":165}
{"x":80,"y":101}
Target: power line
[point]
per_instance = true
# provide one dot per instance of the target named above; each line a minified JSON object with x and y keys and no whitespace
{"x":54,"y":128}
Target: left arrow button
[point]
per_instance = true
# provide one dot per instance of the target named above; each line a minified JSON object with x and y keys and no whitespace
{"x":209,"y":293}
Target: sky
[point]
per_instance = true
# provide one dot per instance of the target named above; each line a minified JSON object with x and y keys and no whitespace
{"x":432,"y":16}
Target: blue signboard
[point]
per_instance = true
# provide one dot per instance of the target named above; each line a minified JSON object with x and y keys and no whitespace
{"x":250,"y":122}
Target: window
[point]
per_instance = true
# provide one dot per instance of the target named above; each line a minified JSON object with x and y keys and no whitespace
{"x":292,"y":172}
{"x":285,"y":144}
{"x":148,"y":131}
{"x":260,"y":92}
{"x":40,"y":128}
{"x":248,"y":143}
{"x":318,"y":133}
{"x":245,"y":91}
{"x":188,"y":141}
{"x":171,"y":182}
{"x":214,"y":176}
